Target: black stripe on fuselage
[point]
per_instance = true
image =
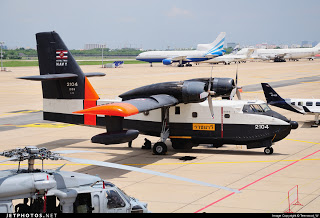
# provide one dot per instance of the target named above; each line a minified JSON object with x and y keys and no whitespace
{"x":64,"y":118}
{"x":232,"y":133}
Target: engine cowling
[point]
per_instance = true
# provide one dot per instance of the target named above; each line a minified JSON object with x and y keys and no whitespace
{"x":167,"y":61}
{"x":223,"y":86}
{"x":191,"y":91}
{"x":188,"y":91}
{"x":219,"y":53}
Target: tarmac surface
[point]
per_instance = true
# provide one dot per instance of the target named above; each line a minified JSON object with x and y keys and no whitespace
{"x":264,"y":180}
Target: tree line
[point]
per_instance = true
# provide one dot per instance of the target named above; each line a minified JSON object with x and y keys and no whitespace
{"x":22,"y":53}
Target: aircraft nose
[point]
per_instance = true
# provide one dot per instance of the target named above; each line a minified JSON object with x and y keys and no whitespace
{"x":294,"y":124}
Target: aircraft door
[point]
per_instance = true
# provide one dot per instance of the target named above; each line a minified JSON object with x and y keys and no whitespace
{"x":96,"y":203}
{"x":115,"y":203}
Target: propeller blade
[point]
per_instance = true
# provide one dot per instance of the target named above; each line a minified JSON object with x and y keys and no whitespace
{"x":237,"y":75}
{"x":210,"y":106}
{"x":210,"y":80}
{"x":204,"y":95}
{"x":233,"y":92}
{"x":129,"y":168}
{"x":238,"y":94}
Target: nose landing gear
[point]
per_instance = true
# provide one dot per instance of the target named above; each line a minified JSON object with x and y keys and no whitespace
{"x":268,"y":150}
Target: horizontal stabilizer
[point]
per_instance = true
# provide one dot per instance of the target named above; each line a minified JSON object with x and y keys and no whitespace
{"x":211,"y":56}
{"x":94,"y":74}
{"x":47,"y":77}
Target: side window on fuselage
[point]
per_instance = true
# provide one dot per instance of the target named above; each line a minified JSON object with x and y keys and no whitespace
{"x":309,"y":103}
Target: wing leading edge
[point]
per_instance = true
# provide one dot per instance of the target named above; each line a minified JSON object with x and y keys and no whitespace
{"x":132,"y":106}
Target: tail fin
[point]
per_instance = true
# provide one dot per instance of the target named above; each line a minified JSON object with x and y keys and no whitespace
{"x":65,"y":87}
{"x":274,"y":99}
{"x":317,"y":46}
{"x":236,"y":49}
{"x":215,"y":46}
{"x":271,"y":95}
{"x":250,"y":52}
{"x":55,"y":58}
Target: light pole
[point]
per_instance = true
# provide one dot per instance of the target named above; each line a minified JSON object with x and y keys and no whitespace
{"x":102,"y":46}
{"x":1,"y":43}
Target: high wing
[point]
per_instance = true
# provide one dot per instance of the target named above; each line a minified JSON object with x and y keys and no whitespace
{"x":132,"y":106}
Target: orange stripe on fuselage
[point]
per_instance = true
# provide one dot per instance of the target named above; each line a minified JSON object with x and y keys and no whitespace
{"x":90,"y":100}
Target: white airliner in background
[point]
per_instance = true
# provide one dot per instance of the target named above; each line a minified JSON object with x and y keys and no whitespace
{"x":280,"y":55}
{"x":239,"y":56}
{"x":203,"y":52}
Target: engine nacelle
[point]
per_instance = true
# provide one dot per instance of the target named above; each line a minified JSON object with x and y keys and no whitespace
{"x":219,"y":53}
{"x":188,"y":91}
{"x":191,"y":91}
{"x":167,"y":61}
{"x":223,"y":86}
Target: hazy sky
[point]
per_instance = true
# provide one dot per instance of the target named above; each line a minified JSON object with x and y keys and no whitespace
{"x":158,"y":24}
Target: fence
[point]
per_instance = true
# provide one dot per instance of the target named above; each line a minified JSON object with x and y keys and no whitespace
{"x":293,"y":198}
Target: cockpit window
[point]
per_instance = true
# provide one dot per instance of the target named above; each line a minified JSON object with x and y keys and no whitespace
{"x":255,"y":108}
{"x":265,"y":107}
{"x":114,"y":200}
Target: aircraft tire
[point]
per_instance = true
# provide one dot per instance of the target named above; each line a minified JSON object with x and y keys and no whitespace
{"x":160,"y":148}
{"x":268,"y":150}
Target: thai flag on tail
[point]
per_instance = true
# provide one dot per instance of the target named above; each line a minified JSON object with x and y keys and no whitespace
{"x":62,"y":54}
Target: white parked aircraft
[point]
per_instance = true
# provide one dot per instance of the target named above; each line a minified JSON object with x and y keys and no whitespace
{"x":280,"y":55}
{"x":298,"y":105}
{"x":239,"y":56}
{"x":203,"y":52}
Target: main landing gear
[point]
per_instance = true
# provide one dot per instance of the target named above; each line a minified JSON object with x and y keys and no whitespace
{"x":160,"y":148}
{"x":268,"y":150}
{"x":316,"y":121}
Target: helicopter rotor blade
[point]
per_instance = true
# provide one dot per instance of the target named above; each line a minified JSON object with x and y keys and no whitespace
{"x":72,"y":151}
{"x":130,"y":168}
{"x":9,"y":159}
